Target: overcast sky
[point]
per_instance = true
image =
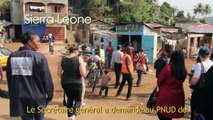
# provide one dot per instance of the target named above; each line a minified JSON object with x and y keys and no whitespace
{"x":187,"y":5}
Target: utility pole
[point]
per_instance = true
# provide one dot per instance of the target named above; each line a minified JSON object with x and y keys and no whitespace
{"x":117,"y":8}
{"x":117,"y":5}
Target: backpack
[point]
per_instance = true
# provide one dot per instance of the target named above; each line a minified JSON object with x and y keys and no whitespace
{"x":201,"y":82}
{"x":139,"y":63}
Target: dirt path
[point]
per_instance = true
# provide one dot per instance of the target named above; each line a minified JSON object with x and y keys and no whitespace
{"x":97,"y":107}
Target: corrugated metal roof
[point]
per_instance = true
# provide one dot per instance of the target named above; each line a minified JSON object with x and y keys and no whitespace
{"x":205,"y":28}
{"x":209,"y":20}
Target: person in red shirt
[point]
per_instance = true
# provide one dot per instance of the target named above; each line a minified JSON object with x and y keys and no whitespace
{"x":170,"y":83}
{"x":44,"y":38}
{"x":109,"y":51}
{"x":140,"y":60}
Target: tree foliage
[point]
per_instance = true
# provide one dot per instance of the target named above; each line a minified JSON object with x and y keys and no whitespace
{"x":167,"y":14}
{"x":180,"y":15}
{"x":130,"y":11}
{"x":207,"y":9}
{"x":98,"y":9}
{"x":137,"y":11}
{"x":5,"y":10}
{"x":203,"y":10}
{"x":166,"y":10}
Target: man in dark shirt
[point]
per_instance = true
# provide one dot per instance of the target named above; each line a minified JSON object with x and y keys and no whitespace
{"x":207,"y":98}
{"x":29,"y":80}
{"x":160,"y":63}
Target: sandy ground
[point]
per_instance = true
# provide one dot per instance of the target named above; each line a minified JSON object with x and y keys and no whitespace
{"x":98,"y":107}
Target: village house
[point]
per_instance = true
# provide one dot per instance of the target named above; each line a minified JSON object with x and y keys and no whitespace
{"x":186,"y":24}
{"x":200,"y":35}
{"x":23,"y":10}
{"x":168,"y":32}
{"x":103,"y":27}
{"x":140,"y":35}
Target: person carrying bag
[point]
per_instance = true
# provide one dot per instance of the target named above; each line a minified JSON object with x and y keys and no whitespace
{"x":152,"y":99}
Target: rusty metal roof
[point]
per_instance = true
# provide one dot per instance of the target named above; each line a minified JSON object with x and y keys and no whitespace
{"x":205,"y":28}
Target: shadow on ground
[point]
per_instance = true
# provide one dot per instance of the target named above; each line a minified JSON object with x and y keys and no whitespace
{"x":7,"y":117}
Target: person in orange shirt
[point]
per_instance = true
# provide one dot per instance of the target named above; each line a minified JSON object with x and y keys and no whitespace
{"x":127,"y":69}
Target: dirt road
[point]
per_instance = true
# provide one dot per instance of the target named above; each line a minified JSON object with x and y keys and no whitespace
{"x":98,"y":107}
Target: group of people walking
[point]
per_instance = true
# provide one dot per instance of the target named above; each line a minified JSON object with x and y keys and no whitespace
{"x":170,"y":80}
{"x":124,"y":62}
{"x":30,"y":82}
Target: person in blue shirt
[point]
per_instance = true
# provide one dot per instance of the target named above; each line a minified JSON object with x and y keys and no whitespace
{"x":29,"y":79}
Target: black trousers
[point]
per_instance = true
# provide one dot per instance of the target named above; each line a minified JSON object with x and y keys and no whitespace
{"x":73,"y":92}
{"x":161,"y":117}
{"x":117,"y":67}
{"x":126,"y":77}
{"x":109,"y":58}
{"x":106,"y":90}
{"x":196,"y":102}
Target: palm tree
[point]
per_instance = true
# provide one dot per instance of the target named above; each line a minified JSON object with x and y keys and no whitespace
{"x":188,"y":16}
{"x":207,"y":9}
{"x":174,"y":11}
{"x":198,"y":9}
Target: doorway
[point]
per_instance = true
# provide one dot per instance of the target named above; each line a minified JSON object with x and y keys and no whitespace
{"x":136,"y":41}
{"x":123,"y":40}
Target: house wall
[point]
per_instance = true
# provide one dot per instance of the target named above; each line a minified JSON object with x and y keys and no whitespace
{"x":155,"y":45}
{"x":16,"y":12}
{"x":84,"y":35}
{"x":59,"y":31}
{"x":51,"y":8}
{"x":148,"y":40}
{"x":191,"y":47}
{"x":12,"y":34}
{"x":48,"y":1}
{"x":148,"y":31}
{"x":175,"y":30}
{"x":20,"y":8}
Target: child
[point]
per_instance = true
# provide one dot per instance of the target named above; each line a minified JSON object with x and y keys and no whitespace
{"x":105,"y":83}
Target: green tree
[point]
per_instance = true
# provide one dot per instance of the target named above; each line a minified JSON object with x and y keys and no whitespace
{"x":125,"y":17}
{"x":174,"y":11}
{"x":198,"y":10}
{"x":167,"y":13}
{"x":98,"y":9}
{"x":5,"y":10}
{"x":203,"y":21}
{"x":207,"y":10}
{"x":180,"y":15}
{"x":188,"y":16}
{"x":137,"y":11}
{"x":166,"y":9}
